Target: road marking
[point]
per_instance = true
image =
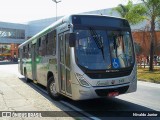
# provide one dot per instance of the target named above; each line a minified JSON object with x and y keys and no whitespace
{"x":80,"y":111}
{"x":69,"y":105}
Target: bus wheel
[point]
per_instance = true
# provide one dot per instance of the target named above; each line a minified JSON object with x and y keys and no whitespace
{"x":51,"y":88}
{"x":27,"y":80}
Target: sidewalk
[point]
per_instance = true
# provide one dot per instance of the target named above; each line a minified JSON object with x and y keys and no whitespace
{"x":17,"y":95}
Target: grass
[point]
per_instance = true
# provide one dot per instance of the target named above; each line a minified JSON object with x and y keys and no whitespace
{"x":150,"y":76}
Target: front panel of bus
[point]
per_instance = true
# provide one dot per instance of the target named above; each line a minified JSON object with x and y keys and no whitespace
{"x":104,"y":57}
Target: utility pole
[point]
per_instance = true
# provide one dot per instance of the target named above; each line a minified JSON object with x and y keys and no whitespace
{"x":56,"y":6}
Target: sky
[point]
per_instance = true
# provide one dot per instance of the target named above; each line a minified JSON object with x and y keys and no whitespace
{"x":21,"y":11}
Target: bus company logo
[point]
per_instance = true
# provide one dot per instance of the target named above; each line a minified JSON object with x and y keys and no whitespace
{"x":112,"y":71}
{"x":113,"y":82}
{"x":102,"y":83}
{"x":21,"y":114}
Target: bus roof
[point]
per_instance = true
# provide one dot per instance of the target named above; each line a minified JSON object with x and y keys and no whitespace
{"x":64,"y":19}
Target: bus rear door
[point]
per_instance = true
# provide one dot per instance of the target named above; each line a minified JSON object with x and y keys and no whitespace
{"x":34,"y":73}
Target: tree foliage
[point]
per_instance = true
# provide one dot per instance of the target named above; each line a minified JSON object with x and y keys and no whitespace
{"x":152,"y":15}
{"x":133,"y":13}
{"x":149,"y":10}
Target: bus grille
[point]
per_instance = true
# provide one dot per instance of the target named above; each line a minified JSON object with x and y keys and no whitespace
{"x":104,"y":92}
{"x":104,"y":75}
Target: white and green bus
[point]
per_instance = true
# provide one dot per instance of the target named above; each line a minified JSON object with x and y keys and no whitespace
{"x":81,"y":57}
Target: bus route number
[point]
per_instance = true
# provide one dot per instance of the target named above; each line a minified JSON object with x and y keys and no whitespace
{"x":121,"y":81}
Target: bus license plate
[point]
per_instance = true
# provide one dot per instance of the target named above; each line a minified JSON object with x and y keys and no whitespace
{"x":112,"y":94}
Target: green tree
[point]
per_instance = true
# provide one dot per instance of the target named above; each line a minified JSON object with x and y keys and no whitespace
{"x":133,"y":13}
{"x":152,"y":15}
{"x":149,"y":10}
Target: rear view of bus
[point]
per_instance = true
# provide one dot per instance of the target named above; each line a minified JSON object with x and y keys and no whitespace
{"x":102,"y":57}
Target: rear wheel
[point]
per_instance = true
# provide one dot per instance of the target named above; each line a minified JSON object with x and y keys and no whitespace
{"x":51,"y":88}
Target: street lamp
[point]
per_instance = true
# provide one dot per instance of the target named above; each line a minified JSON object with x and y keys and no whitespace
{"x":56,"y":6}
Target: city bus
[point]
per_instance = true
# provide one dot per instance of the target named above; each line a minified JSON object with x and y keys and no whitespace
{"x":81,"y":57}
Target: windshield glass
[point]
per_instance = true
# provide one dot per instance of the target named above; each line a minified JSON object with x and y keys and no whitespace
{"x":100,"y":49}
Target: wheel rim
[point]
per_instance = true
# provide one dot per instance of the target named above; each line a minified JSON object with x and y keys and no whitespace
{"x":53,"y":89}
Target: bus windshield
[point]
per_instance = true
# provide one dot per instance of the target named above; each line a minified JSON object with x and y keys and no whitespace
{"x":101,"y":49}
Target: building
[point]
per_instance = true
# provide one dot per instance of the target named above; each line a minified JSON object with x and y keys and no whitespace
{"x":12,"y":34}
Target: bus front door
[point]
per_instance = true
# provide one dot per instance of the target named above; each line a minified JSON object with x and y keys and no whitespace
{"x":34,"y":73}
{"x":64,"y":65}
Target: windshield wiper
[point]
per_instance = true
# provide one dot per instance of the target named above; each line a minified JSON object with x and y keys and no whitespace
{"x":98,"y":41}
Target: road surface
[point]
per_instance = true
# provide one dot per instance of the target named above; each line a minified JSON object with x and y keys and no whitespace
{"x":19,"y":97}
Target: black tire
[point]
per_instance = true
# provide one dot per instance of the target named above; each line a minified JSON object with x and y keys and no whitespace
{"x":51,"y":88}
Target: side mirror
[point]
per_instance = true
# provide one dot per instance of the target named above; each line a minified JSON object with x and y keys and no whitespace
{"x":71,"y":38}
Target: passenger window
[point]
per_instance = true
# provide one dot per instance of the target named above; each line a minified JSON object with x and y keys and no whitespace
{"x":24,"y":52}
{"x":43,"y":46}
{"x":29,"y":50}
{"x":51,"y":43}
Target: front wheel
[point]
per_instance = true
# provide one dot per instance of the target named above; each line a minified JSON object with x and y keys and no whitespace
{"x":51,"y":88}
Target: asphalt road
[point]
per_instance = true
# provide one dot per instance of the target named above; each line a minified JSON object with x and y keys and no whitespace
{"x":147,"y":95}
{"x":146,"y":99}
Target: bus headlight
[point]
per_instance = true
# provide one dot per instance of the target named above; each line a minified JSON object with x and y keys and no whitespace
{"x":81,"y":80}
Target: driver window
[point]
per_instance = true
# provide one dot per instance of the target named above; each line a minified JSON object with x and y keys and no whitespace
{"x":117,"y":48}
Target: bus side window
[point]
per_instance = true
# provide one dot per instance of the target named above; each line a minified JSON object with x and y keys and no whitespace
{"x":26,"y":51}
{"x":23,"y":55}
{"x":51,"y":43}
{"x":39,"y":42}
{"x":29,"y":50}
{"x":39,"y":47}
{"x":54,"y":44}
{"x":46,"y":36}
{"x":43,"y":45}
